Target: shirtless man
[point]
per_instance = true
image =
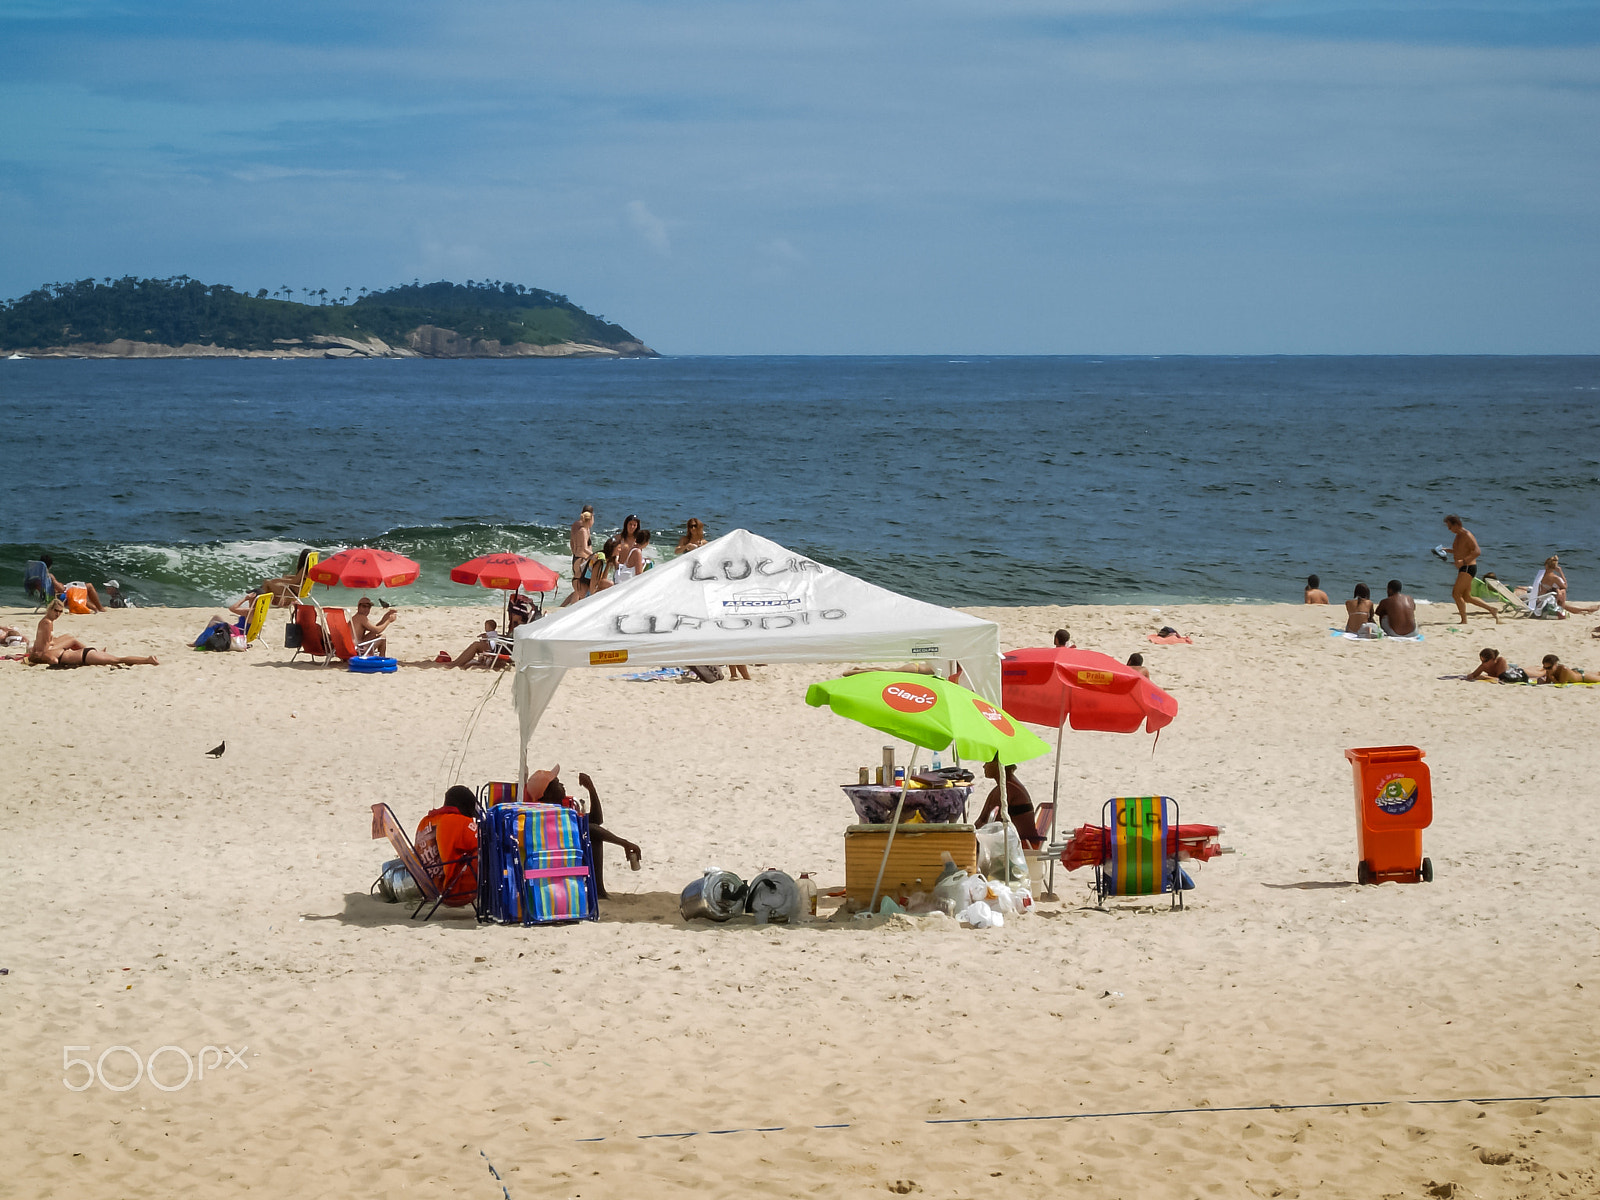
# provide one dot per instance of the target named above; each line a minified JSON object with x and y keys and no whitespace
{"x":1397,"y":612}
{"x":364,"y":629}
{"x":1314,"y":592}
{"x":1556,"y":671}
{"x":1465,"y":551}
{"x":581,"y":543}
{"x":68,"y":651}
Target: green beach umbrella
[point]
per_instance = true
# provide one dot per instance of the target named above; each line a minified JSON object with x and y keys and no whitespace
{"x":929,"y":712}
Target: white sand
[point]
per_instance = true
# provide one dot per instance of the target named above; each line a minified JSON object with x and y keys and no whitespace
{"x":158,"y":897}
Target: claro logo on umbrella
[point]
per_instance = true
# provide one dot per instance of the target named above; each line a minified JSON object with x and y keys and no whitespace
{"x":909,"y":697}
{"x":995,"y":716}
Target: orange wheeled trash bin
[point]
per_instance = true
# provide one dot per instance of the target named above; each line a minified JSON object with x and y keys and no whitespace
{"x":1394,"y":804}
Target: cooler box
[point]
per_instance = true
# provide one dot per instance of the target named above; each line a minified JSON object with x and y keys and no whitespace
{"x":1394,"y":804}
{"x":915,"y":859}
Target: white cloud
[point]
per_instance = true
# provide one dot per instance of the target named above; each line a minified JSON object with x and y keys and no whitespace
{"x":650,"y":227}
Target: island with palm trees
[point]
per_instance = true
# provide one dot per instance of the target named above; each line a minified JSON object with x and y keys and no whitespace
{"x":181,"y":317}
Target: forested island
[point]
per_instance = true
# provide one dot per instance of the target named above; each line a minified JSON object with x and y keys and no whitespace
{"x":184,"y":318}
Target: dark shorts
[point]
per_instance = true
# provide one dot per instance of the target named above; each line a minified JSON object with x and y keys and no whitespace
{"x":1470,"y":569}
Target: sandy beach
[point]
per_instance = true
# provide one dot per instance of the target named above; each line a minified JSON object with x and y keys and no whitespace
{"x":157,"y":897}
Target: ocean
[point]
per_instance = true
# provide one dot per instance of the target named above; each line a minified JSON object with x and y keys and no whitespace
{"x":960,"y":480}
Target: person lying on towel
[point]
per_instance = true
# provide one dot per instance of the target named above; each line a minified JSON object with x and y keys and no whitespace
{"x":545,"y":787}
{"x":447,"y":838}
{"x":1556,"y":671}
{"x":1019,"y":806}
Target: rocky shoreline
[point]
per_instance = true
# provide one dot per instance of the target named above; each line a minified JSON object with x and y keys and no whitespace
{"x":426,"y":341}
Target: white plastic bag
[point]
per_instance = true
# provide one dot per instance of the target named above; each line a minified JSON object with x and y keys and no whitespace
{"x":996,"y":842}
{"x":980,"y":916}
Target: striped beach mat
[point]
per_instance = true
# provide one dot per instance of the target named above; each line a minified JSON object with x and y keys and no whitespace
{"x":539,"y":865}
{"x":1137,"y":862}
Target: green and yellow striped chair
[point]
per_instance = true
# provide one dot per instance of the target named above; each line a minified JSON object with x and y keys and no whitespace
{"x":1140,"y":855}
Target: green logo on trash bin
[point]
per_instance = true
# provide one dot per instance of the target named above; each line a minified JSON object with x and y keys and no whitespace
{"x":1396,"y":796}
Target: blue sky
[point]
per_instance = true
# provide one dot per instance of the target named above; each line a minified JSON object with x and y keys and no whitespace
{"x":999,"y":176}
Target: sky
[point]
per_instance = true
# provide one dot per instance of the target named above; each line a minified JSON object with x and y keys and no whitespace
{"x":859,"y":177}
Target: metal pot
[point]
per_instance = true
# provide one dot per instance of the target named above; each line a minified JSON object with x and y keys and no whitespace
{"x":716,"y":896}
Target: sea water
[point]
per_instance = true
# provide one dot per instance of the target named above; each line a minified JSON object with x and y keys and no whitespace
{"x":960,"y":480}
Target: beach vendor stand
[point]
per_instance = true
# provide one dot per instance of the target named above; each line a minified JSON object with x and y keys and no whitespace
{"x":931,"y":714}
{"x":739,"y":599}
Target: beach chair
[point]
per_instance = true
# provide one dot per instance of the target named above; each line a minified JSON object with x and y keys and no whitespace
{"x":1541,"y":606}
{"x":314,"y":641}
{"x":1137,"y":860}
{"x":537,"y":865}
{"x":432,"y":880}
{"x":1490,"y":590}
{"x":491,"y":794}
{"x":36,"y":583}
{"x":342,"y":641}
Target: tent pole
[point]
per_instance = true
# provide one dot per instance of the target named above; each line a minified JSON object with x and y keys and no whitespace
{"x":889,"y":842}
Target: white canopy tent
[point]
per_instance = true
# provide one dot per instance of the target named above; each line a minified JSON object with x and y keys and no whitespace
{"x":743,"y":599}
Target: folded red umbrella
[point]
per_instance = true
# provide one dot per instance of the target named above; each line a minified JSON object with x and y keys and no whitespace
{"x":366,"y":568}
{"x":506,"y":571}
{"x":1087,"y":845}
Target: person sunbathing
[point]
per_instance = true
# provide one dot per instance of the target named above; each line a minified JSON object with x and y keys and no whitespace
{"x":1553,"y":582}
{"x":10,"y":635}
{"x":1556,"y":671}
{"x":490,"y":642}
{"x":1492,"y":666}
{"x":1397,"y":612}
{"x":1359,"y":610}
{"x":364,"y":629}
{"x":285,"y":589}
{"x":63,"y":650}
{"x":545,"y":787}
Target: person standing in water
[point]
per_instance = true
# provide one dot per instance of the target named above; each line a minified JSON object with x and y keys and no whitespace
{"x":580,"y":543}
{"x":1466,"y":552}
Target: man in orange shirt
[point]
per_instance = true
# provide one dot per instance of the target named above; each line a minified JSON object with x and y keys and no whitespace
{"x":447,"y":843}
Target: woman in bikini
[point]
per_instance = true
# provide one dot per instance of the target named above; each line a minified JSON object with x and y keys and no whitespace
{"x":694,"y":536}
{"x":1554,"y":583}
{"x":67,"y":651}
{"x":1360,"y":610}
{"x":1556,"y":671}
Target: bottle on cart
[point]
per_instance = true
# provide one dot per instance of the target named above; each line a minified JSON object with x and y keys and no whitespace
{"x":935,"y":764}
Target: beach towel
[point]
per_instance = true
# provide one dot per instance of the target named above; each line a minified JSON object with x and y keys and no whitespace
{"x":1381,"y":637}
{"x":1171,"y":639}
{"x":660,"y":674}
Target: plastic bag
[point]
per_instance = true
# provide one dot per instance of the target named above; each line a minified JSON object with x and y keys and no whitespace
{"x":997,"y":842}
{"x":980,"y":916}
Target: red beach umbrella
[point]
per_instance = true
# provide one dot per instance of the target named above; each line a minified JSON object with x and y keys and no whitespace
{"x":1058,"y":686}
{"x":1055,"y":686}
{"x":507,"y":571}
{"x":365,"y":568}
